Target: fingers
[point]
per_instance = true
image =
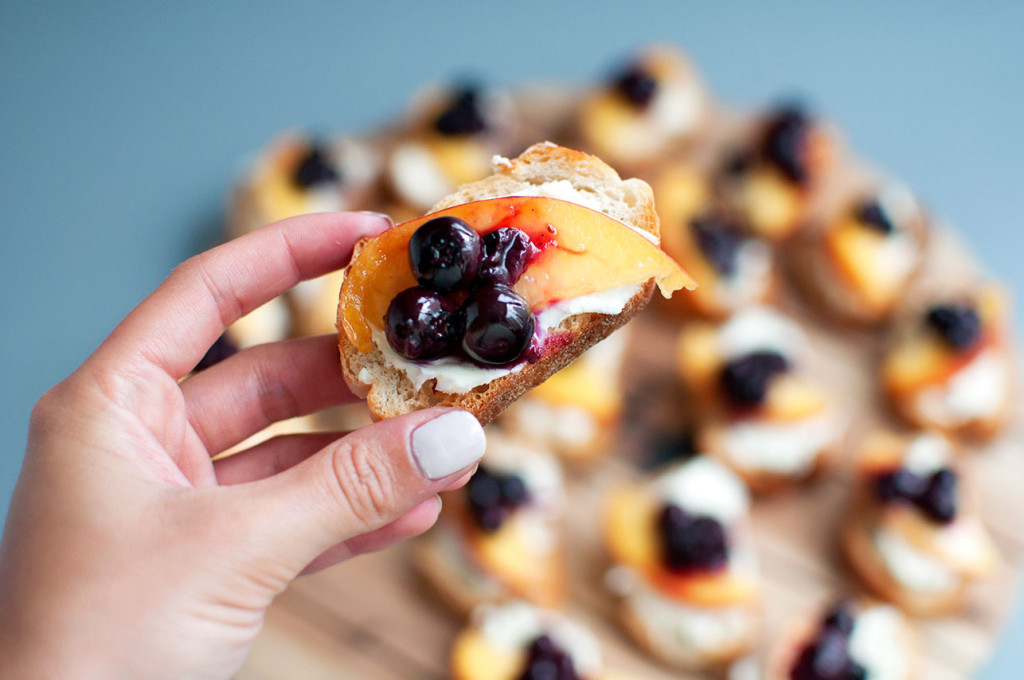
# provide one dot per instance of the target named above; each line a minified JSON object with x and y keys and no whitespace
{"x":179,"y":321}
{"x":271,"y":457}
{"x":358,"y":484}
{"x":409,"y":525}
{"x":262,"y":385}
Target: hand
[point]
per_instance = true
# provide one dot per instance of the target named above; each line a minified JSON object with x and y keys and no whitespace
{"x":128,"y":552}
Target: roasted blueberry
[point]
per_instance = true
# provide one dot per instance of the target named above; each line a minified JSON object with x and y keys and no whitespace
{"x":546,"y":661}
{"x":513,"y":490}
{"x":871,"y":213}
{"x":636,"y":85}
{"x":421,"y":324}
{"x":445,"y":253}
{"x":691,"y":543}
{"x":827,"y":655}
{"x":738,"y":162}
{"x":785,"y":143}
{"x":221,"y":349}
{"x":506,"y":252}
{"x":464,"y":116}
{"x":827,"y":659}
{"x":499,"y":325}
{"x":719,"y":240}
{"x":899,"y":485}
{"x":958,"y":324}
{"x":840,"y":616}
{"x":745,"y":380}
{"x":492,"y":497}
{"x":314,"y":169}
{"x":939,"y":499}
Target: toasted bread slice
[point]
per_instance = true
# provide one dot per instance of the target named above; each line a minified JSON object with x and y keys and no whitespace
{"x":542,"y":170}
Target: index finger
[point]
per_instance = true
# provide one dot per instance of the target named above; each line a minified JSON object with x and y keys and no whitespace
{"x":175,"y":325}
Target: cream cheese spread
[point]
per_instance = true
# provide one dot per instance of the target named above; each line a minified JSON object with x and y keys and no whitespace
{"x":912,"y":568}
{"x":703,"y":486}
{"x":780,"y":447}
{"x":879,"y":642}
{"x":689,"y":633}
{"x":977,"y":391}
{"x":516,"y":625}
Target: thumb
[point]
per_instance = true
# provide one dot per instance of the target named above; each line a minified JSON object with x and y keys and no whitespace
{"x":360,"y":483}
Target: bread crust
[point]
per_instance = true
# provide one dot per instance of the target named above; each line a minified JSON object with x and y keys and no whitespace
{"x":868,"y":564}
{"x":454,"y":593}
{"x":717,"y":661}
{"x":974,"y":430}
{"x":764,"y":482}
{"x":784,"y":651}
{"x":388,"y":390}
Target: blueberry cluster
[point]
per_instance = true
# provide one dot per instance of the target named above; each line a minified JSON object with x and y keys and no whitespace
{"x":745,"y":380}
{"x":934,"y":494}
{"x":314,"y":169}
{"x":545,"y":661}
{"x":871,"y":213}
{"x":785,"y":143}
{"x":465,"y":300}
{"x":464,"y":116}
{"x":493,"y":497}
{"x":636,"y":85}
{"x":691,"y":543}
{"x":958,"y":324}
{"x":719,"y":239}
{"x":827,"y":657}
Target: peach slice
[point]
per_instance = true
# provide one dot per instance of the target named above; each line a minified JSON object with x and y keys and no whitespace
{"x":923,"y":359}
{"x":632,"y":541}
{"x":509,"y":555}
{"x":880,"y":453}
{"x":582,"y":252}
{"x":698,"y":358}
{"x":629,"y":527}
{"x":474,"y":658}
{"x":461,"y":160}
{"x":704,"y":590}
{"x":854,"y":250}
{"x":963,"y":545}
{"x":793,"y":398}
{"x":276,"y":195}
{"x":772,"y":204}
{"x":582,"y":386}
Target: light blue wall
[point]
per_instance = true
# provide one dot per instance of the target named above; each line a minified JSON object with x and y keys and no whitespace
{"x":122,"y":124}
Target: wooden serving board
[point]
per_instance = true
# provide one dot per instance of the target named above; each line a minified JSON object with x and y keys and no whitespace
{"x":372,"y":619}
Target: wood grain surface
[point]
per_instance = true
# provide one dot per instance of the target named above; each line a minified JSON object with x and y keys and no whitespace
{"x":372,"y":619}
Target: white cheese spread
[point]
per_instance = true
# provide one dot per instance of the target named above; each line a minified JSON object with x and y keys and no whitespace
{"x":416,"y":175}
{"x":703,"y":486}
{"x":927,"y":453}
{"x":760,"y":329}
{"x":514,"y":626}
{"x":751,"y":278}
{"x":689,"y":633}
{"x":912,"y":568}
{"x":560,"y":425}
{"x":979,"y":390}
{"x":789,"y":448}
{"x":880,"y":643}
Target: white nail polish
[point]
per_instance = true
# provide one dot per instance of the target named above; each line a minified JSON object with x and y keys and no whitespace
{"x":449,"y":443}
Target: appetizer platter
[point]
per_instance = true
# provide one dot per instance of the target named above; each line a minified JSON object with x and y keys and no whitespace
{"x":804,"y":468}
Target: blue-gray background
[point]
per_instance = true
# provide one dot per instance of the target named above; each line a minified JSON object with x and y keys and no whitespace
{"x":122,"y":125}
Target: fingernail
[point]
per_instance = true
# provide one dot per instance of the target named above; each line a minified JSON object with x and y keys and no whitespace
{"x":451,"y":442}
{"x":382,"y":216}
